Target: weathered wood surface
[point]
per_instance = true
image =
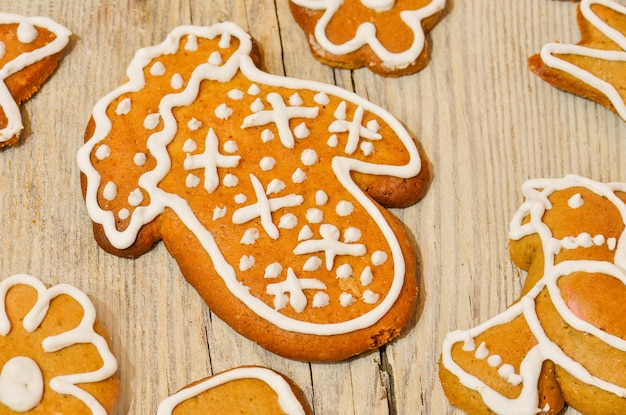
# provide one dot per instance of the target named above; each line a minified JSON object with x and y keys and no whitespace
{"x":485,"y":121}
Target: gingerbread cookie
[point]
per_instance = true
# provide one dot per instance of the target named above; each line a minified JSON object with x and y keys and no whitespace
{"x":564,"y":341}
{"x":247,"y":390}
{"x":30,"y":50}
{"x":255,"y":183}
{"x":54,"y":358}
{"x":594,"y":67}
{"x":387,"y":36}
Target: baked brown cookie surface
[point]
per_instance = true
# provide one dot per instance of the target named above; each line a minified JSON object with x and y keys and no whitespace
{"x":593,"y":68}
{"x":54,"y":355}
{"x":30,"y":50}
{"x":564,"y":341}
{"x":246,"y":390}
{"x":255,"y":182}
{"x":388,"y":37}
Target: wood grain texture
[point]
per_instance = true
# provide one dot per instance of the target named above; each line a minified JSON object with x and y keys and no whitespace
{"x":485,"y":121}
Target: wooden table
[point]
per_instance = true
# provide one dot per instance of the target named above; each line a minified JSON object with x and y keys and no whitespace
{"x":485,"y":121}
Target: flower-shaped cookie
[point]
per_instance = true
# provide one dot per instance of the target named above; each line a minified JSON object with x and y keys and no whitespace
{"x":386,"y":36}
{"x":53,"y":357}
{"x":255,"y":184}
{"x":30,"y":49}
{"x":247,"y":390}
{"x":593,"y":68}
{"x":564,"y":341}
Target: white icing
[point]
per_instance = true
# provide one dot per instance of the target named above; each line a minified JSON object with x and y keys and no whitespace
{"x":139,"y":159}
{"x":27,"y":32}
{"x":123,"y":214}
{"x":280,"y":116}
{"x":379,"y":5}
{"x":302,"y":131}
{"x":550,"y":51}
{"x":257,"y":105}
{"x":288,"y":221}
{"x":157,"y":69}
{"x":110,"y":191}
{"x":321,"y":98}
{"x":123,"y":107}
{"x":267,"y":135}
{"x":275,"y":186}
{"x":366,"y":32}
{"x":295,"y":100}
{"x":192,"y":43}
{"x":235,"y":94}
{"x":225,"y":40}
{"x":482,"y":352}
{"x":320,"y":299}
{"x":190,"y":146}
{"x":367,"y":148}
{"x":312,"y":264}
{"x":305,"y":233}
{"x":230,"y":180}
{"x":575,"y":201}
{"x":240,"y":198}
{"x":494,"y":360}
{"x":351,"y":234}
{"x":152,"y":121}
{"x":314,"y":215}
{"x":344,"y":208}
{"x":246,"y":262}
{"x":26,"y":26}
{"x":135,"y":197}
{"x":231,"y":146}
{"x":273,"y":270}
{"x":3,"y":49}
{"x":288,"y":402}
{"x":267,"y":163}
{"x":292,"y":290}
{"x":254,"y":90}
{"x":223,"y":112}
{"x":346,"y":299}
{"x":366,"y":277}
{"x":103,"y":152}
{"x":354,"y":128}
{"x":219,"y":212}
{"x":379,"y":258}
{"x":250,"y":236}
{"x":298,"y":176}
{"x":309,"y":157}
{"x":344,"y":271}
{"x":333,"y":141}
{"x":215,"y":59}
{"x":370,"y":297}
{"x":20,"y":377}
{"x":194,"y":124}
{"x":177,"y":81}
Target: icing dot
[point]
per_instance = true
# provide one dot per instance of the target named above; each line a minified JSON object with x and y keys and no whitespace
{"x":246,"y":262}
{"x":333,"y":141}
{"x":110,"y":191}
{"x":599,"y":240}
{"x":231,"y":146}
{"x":27,"y":32}
{"x":275,"y":186}
{"x":250,"y":236}
{"x":309,"y":157}
{"x":230,"y":180}
{"x":468,"y":344}
{"x":240,"y":198}
{"x":575,"y":201}
{"x":190,"y":146}
{"x":177,"y":81}
{"x":224,"y":41}
{"x":3,"y":49}
{"x":135,"y":197}
{"x":152,"y":121}
{"x":288,"y":221}
{"x":482,"y":352}
{"x":194,"y":124}
{"x":373,"y":125}
{"x":123,"y":214}
{"x":273,"y":270}
{"x":340,"y":112}
{"x":344,"y":271}
{"x":305,"y":233}
{"x":494,"y":360}
{"x":367,"y":276}
{"x":295,"y":100}
{"x":344,"y":208}
{"x":139,"y":159}
{"x":223,"y":112}
{"x":346,"y":299}
{"x":157,"y":69}
{"x":192,"y":43}
{"x":192,"y":180}
{"x":314,"y":215}
{"x":321,"y":198}
{"x":312,"y":264}
{"x":235,"y":94}
{"x":299,"y":176}
{"x":257,"y":105}
{"x":321,"y":98}
{"x":302,"y":131}
{"x":379,"y":258}
{"x":267,"y":135}
{"x":508,"y":372}
{"x":215,"y":59}
{"x":267,"y":163}
{"x":219,"y":212}
{"x":351,"y":234}
{"x":367,"y":148}
{"x":254,"y":90}
{"x":21,"y":384}
{"x":103,"y":152}
{"x":123,"y":107}
{"x":320,"y":299}
{"x":370,"y":297}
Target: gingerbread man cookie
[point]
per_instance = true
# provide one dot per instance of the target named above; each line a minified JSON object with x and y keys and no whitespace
{"x":593,"y":68}
{"x":265,"y":189}
{"x":54,"y":357}
{"x":30,"y":50}
{"x":564,"y":341}
{"x":386,"y":36}
{"x":247,"y":390}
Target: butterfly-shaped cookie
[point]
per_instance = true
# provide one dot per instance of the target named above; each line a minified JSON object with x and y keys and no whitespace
{"x":386,"y":36}
{"x":595,"y":67}
{"x":30,"y":50}
{"x":263,"y":188}
{"x":564,"y":341}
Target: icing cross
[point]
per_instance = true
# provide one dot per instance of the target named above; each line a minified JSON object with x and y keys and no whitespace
{"x":294,"y":286}
{"x":354,"y":128}
{"x":330,"y":245}
{"x":210,"y":160}
{"x":280,"y":115}
{"x":264,"y":207}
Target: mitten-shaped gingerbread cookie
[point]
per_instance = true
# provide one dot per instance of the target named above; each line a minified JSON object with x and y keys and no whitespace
{"x":595,"y":67}
{"x":30,"y":50}
{"x":564,"y":341}
{"x":265,"y":189}
{"x":388,"y":37}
